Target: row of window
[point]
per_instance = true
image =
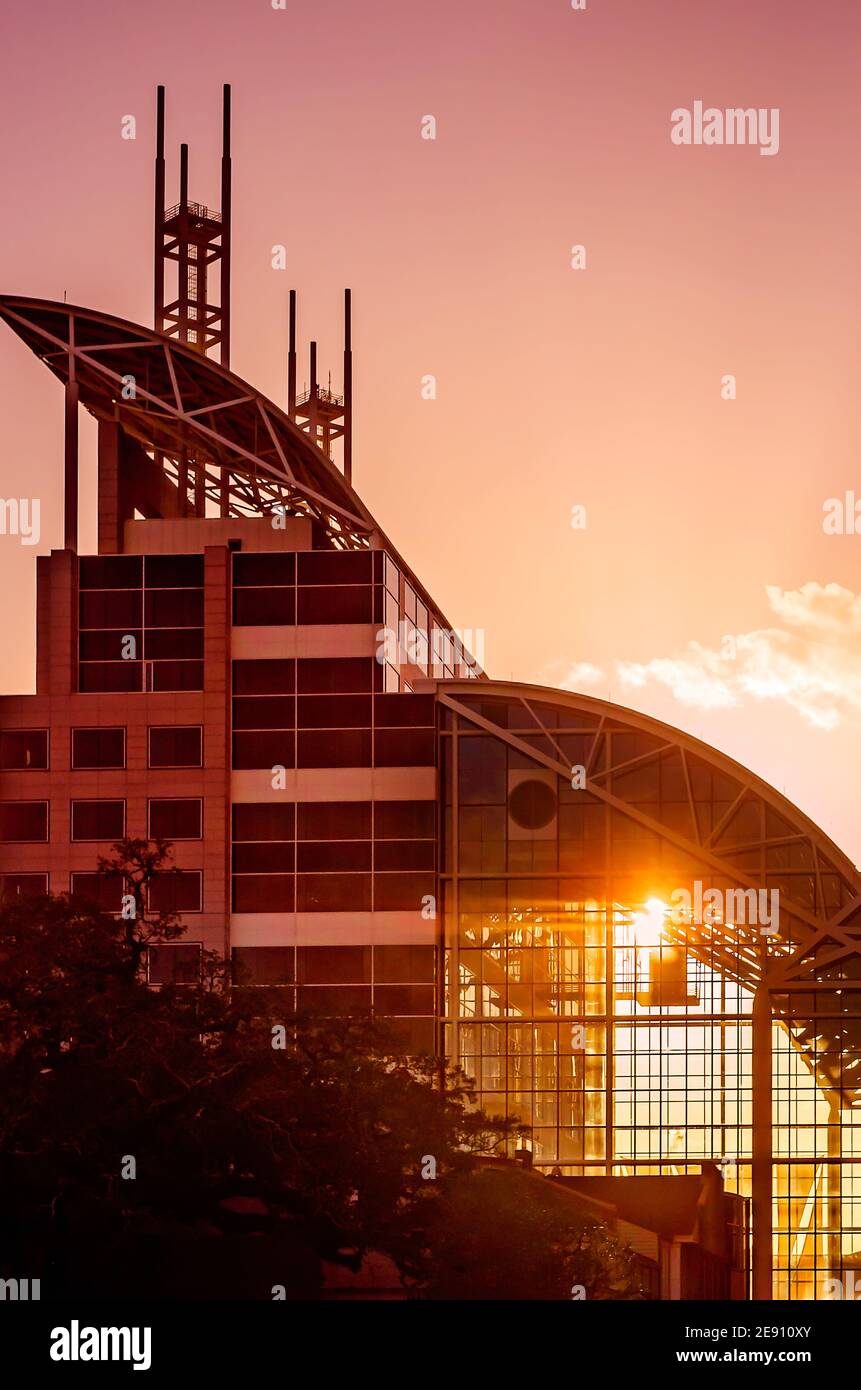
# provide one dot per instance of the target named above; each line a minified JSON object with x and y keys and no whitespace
{"x":271,"y":607}
{"x":278,"y":724}
{"x":334,"y":820}
{"x":175,"y":747}
{"x":332,"y":892}
{"x":411,"y":1007}
{"x":168,"y":745}
{"x":331,"y":711}
{"x":250,"y":568}
{"x":312,"y":693}
{"x":335,"y":965}
{"x":268,"y":748}
{"x":313,"y":675}
{"x":182,"y":891}
{"x":175,"y":818}
{"x":342,"y":826}
{"x":330,"y":856}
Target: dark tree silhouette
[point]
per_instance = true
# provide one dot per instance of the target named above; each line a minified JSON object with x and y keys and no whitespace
{"x":200,"y":1140}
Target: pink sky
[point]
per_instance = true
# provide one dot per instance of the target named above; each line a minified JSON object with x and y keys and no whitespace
{"x":555,"y":386}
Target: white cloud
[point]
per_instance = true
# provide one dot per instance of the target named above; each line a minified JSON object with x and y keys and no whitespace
{"x":810,"y":659}
{"x":583,"y":673}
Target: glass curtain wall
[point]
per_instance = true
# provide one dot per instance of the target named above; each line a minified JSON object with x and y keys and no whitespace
{"x":593,"y":1000}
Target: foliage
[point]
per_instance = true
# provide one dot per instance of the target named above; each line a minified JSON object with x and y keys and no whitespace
{"x":306,"y":1137}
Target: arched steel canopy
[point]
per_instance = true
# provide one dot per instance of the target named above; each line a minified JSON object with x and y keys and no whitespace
{"x":812,"y":964}
{"x":186,"y":405}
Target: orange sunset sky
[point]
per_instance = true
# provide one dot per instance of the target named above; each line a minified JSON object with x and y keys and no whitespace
{"x":556,"y":387}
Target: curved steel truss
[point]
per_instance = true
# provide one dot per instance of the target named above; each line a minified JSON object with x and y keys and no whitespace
{"x":217,"y":440}
{"x":727,"y":826}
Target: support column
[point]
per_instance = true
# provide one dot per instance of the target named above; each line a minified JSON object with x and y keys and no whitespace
{"x":761,"y":1184}
{"x":71,"y":468}
{"x":111,"y":513}
{"x":833,"y":1186}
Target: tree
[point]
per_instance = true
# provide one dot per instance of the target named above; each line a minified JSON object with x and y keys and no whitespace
{"x":505,"y":1233}
{"x":102,"y":1077}
{"x":199,"y":1140}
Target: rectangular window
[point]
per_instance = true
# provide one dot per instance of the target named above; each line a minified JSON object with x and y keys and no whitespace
{"x":402,"y":892}
{"x":98,"y":820}
{"x":93,"y":748}
{"x":335,"y":567}
{"x":263,"y":893}
{"x":119,"y":609}
{"x":174,"y":608}
{"x":404,"y":964}
{"x":333,"y":965}
{"x":23,"y":748}
{"x":264,"y":712}
{"x":256,"y":750}
{"x":263,"y":965}
{"x":175,"y":746}
{"x":110,"y":571}
{"x":264,"y":569}
{"x":404,"y":820}
{"x":14,"y":886}
{"x":22,"y":821}
{"x":334,"y":748}
{"x":334,"y":820}
{"x":264,"y":677}
{"x":416,"y":1035}
{"x":184,"y":645}
{"x":174,"y":571}
{"x":174,"y":675}
{"x":349,"y":603}
{"x":391,"y":576}
{"x":174,"y":965}
{"x":333,"y":856}
{"x":333,"y":893}
{"x":264,"y":607}
{"x":119,"y":646}
{"x":103,"y":892}
{"x":263,"y":857}
{"x":110,"y":677}
{"x":176,"y":819}
{"x":264,"y":820}
{"x":404,"y":711}
{"x":334,"y":712}
{"x":404,"y":747}
{"x":404,"y":854}
{"x":175,"y":892}
{"x":404,"y":999}
{"x":333,"y":1001}
{"x":338,"y":675}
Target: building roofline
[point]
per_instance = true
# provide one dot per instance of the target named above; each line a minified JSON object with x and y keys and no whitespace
{"x":647,"y":723}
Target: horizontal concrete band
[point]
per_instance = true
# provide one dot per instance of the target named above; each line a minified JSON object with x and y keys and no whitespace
{"x":306,"y":640}
{"x":332,"y":929}
{"x":336,"y":784}
{"x":187,"y":535}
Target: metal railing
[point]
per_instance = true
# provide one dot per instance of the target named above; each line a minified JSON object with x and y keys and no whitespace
{"x":198,"y":210}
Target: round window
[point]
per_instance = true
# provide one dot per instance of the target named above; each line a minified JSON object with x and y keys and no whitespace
{"x":532,"y":804}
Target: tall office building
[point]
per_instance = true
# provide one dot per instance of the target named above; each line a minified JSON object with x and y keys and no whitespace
{"x":630,"y":941}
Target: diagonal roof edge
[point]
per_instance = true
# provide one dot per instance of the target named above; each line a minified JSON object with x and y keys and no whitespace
{"x":20,"y":312}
